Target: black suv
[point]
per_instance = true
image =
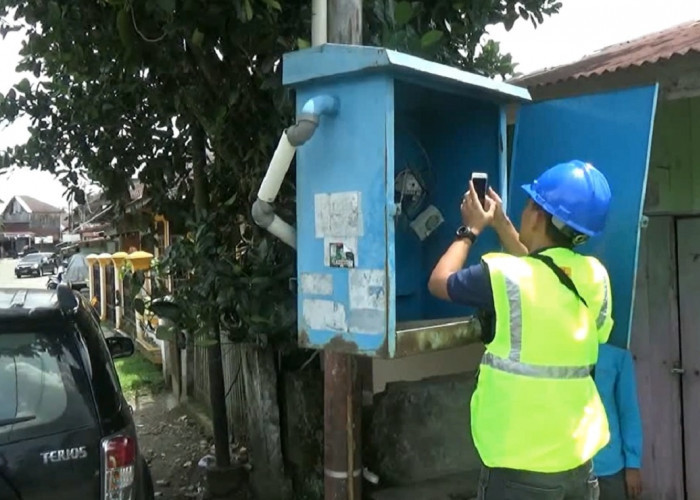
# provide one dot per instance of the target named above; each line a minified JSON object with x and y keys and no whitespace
{"x":66,"y":431}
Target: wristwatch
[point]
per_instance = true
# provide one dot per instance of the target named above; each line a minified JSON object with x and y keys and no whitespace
{"x":465,"y":232}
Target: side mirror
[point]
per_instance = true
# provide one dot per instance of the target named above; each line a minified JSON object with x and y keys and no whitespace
{"x":59,"y":276}
{"x":120,"y":347}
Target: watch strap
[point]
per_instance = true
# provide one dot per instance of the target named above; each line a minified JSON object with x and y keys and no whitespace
{"x":464,"y":232}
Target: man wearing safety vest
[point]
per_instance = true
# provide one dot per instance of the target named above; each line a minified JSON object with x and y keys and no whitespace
{"x":536,"y":417}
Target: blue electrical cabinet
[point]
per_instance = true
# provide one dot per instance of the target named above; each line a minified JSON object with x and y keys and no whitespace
{"x":380,"y":183}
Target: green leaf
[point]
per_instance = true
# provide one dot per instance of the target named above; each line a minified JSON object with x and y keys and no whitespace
{"x":431,"y":38}
{"x":303,"y":44}
{"x":403,"y":12}
{"x":167,"y":5}
{"x":273,"y":4}
{"x":248,"y":10}
{"x":197,"y":37}
{"x":54,"y":13}
{"x":24,"y":86}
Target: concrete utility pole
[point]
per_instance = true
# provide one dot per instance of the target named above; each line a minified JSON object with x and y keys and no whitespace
{"x":342,"y":390}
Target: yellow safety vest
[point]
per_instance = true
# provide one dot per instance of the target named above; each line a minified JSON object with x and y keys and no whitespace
{"x":536,"y":407}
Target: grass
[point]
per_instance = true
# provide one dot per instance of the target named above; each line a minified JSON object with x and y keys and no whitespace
{"x":138,"y":375}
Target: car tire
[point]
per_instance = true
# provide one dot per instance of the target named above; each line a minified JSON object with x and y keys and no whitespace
{"x":18,"y":276}
{"x":147,"y":491}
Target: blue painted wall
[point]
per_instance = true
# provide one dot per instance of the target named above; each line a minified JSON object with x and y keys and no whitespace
{"x":459,"y":135}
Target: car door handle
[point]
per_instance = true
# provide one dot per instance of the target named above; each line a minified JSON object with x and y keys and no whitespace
{"x":677,"y":370}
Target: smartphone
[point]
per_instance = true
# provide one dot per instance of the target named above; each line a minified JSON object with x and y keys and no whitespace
{"x":481,"y":185}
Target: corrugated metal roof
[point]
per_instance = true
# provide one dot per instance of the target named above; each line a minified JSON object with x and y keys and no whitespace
{"x":38,"y":206}
{"x":649,"y":49}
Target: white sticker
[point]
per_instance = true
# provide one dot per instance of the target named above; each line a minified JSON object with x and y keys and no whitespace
{"x":316,"y":284}
{"x":338,"y":214}
{"x":346,"y":214}
{"x":324,"y":315}
{"x":340,"y":251}
{"x":322,"y":214}
{"x":367,"y":289}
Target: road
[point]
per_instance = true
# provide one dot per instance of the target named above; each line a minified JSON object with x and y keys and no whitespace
{"x":8,"y":279}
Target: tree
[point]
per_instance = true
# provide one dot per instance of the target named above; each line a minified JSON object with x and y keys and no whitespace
{"x":124,"y":87}
{"x":121,"y":84}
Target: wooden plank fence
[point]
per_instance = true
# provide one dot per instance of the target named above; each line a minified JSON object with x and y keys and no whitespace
{"x":234,"y":361}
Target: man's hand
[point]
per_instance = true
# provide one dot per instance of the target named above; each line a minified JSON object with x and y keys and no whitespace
{"x":633,"y":481}
{"x":475,"y":216}
{"x":499,"y":216}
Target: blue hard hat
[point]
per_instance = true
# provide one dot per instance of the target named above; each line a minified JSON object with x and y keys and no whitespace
{"x":574,"y":192}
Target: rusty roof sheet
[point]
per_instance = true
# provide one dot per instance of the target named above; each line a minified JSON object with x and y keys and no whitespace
{"x":649,"y":49}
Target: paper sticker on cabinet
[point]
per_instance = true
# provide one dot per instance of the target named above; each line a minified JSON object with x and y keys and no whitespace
{"x":340,"y":252}
{"x":367,"y":289}
{"x":346,"y":214}
{"x":316,"y":284}
{"x":324,"y":315}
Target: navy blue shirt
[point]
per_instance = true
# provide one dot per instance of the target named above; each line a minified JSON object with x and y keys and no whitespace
{"x":471,"y":286}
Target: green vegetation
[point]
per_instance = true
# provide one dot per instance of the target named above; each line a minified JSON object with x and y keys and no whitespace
{"x":187,"y":95}
{"x":138,"y":375}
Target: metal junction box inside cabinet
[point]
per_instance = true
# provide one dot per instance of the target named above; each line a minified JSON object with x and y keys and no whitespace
{"x":380,"y":183}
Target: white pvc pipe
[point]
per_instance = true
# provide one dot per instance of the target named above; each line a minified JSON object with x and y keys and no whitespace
{"x":319,"y":22}
{"x":283,"y":231}
{"x":284,"y":154}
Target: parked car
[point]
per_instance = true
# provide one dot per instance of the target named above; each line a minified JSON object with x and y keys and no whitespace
{"x":75,"y":274}
{"x":66,"y":430}
{"x":35,"y":264}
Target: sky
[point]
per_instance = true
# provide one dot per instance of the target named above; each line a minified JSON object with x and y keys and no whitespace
{"x":580,"y":28}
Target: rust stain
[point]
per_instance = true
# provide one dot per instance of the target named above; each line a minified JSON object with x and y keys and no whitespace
{"x":418,"y":337}
{"x":339,"y":344}
{"x":303,"y":338}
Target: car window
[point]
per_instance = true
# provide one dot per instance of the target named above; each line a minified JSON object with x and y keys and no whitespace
{"x":44,"y":389}
{"x":33,"y":257}
{"x":77,"y":269}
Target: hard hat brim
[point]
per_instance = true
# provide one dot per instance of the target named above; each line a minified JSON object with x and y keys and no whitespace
{"x":529,"y":189}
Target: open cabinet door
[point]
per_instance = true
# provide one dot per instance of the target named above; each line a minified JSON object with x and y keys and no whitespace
{"x":612,"y":131}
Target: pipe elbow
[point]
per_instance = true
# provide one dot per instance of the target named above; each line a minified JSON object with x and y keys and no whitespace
{"x":262,"y":212}
{"x":321,"y":105}
{"x":302,"y":130}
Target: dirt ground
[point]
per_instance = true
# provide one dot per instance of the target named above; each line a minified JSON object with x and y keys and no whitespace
{"x":173,"y":444}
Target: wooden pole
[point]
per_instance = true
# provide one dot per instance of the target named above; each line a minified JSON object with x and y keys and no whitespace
{"x":342,"y":387}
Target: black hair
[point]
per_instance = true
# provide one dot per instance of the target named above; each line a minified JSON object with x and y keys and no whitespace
{"x":565,"y":237}
{"x":558,"y":237}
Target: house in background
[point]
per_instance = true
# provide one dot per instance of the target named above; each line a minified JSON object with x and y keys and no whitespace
{"x":665,"y":336}
{"x":29,"y":222}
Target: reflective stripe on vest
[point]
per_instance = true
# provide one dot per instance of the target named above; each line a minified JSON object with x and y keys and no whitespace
{"x":512,"y":364}
{"x":603,"y":314}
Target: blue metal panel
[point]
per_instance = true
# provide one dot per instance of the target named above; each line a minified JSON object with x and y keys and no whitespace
{"x":613,"y":132}
{"x":344,"y":165}
{"x":333,"y":60}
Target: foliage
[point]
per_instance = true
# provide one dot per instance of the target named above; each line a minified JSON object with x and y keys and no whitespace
{"x":137,"y":374}
{"x":122,"y":87}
